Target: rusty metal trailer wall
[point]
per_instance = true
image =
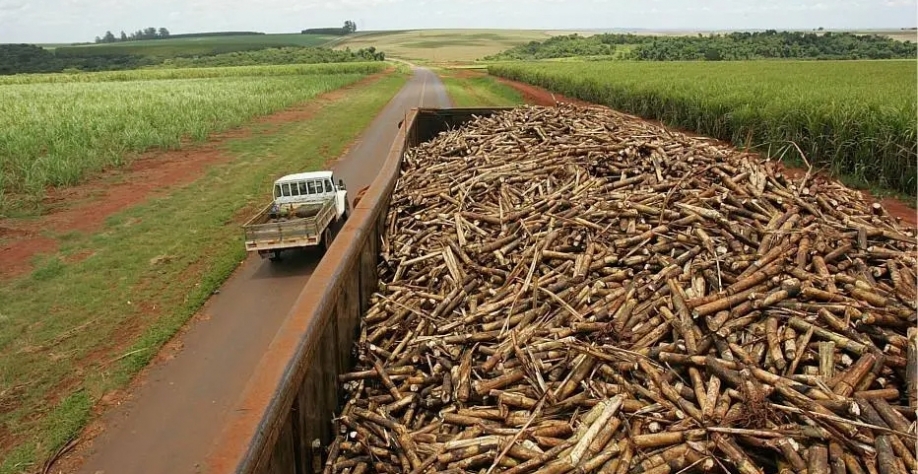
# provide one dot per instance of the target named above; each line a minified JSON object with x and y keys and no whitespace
{"x":284,"y":420}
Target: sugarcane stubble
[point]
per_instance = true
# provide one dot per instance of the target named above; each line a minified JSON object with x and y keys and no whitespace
{"x":566,"y":289}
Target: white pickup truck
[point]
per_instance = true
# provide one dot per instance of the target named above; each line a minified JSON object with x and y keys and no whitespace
{"x":305,"y":207}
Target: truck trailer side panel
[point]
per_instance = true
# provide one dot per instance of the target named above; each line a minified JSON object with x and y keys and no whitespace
{"x":284,"y":420}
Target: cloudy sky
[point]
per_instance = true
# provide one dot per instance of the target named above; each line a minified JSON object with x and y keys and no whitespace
{"x":48,"y":21}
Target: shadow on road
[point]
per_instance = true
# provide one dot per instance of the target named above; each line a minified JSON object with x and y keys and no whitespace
{"x":293,"y":263}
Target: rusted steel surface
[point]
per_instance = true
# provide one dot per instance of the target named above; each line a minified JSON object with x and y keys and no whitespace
{"x":360,"y":195}
{"x":283,"y":421}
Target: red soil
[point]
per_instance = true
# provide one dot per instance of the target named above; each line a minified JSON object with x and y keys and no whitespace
{"x":538,"y":96}
{"x":85,"y":207}
{"x":897,"y":209}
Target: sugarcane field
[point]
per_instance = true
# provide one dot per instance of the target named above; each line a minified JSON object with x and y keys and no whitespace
{"x":571,"y":289}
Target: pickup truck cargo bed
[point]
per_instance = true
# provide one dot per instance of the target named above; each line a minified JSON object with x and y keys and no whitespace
{"x":264,"y":233}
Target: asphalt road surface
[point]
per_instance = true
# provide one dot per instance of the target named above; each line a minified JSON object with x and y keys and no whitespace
{"x":171,"y":421}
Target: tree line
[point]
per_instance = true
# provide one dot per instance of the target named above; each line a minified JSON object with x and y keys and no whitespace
{"x":30,"y":59}
{"x":144,"y":34}
{"x":348,"y":28}
{"x":770,"y":44}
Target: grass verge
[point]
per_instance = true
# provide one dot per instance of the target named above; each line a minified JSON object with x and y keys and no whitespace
{"x":90,"y":317}
{"x":478,"y":91}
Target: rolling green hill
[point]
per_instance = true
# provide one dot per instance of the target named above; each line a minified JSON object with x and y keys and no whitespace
{"x":442,"y":45}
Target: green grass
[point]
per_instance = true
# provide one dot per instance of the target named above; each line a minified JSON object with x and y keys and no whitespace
{"x":56,"y":134}
{"x":479,"y":91}
{"x":274,"y":56}
{"x":59,"y":325}
{"x":853,"y":118}
{"x":168,"y":48}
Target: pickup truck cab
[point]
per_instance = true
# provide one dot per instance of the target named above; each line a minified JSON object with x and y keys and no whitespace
{"x":301,"y":214}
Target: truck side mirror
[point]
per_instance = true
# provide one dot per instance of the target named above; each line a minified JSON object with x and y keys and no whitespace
{"x":341,"y":184}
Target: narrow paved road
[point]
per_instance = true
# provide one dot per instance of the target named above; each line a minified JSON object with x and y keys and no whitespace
{"x":171,"y":421}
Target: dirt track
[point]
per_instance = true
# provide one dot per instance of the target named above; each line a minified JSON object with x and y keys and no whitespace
{"x":169,"y":423}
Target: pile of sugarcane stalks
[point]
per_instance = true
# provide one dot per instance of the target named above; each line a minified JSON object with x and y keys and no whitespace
{"x":570,"y":290}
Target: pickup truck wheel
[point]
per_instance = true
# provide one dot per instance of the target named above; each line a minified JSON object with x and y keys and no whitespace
{"x":326,"y":239}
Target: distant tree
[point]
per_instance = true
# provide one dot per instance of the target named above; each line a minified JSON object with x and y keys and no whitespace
{"x":28,"y":58}
{"x":712,"y":54}
{"x":144,"y":34}
{"x":348,"y":28}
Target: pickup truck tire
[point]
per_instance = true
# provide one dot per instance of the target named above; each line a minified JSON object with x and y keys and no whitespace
{"x":326,"y":239}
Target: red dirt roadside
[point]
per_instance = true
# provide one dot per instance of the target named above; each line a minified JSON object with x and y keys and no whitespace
{"x":534,"y":95}
{"x":85,"y":207}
